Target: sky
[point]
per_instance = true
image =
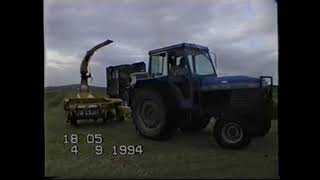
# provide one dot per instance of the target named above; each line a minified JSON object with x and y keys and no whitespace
{"x":243,"y":34}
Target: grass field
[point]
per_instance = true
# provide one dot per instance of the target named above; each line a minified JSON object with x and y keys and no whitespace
{"x":192,"y":155}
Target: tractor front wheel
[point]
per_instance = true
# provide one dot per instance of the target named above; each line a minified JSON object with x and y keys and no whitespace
{"x":231,"y":133}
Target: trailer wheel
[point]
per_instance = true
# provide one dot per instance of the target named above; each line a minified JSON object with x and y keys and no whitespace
{"x":231,"y":133}
{"x":121,"y":118}
{"x":73,"y":119}
{"x":151,"y":115}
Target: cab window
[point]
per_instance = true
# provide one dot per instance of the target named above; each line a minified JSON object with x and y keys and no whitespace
{"x":159,"y":64}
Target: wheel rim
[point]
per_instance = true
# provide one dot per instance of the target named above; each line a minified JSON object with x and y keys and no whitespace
{"x":232,"y":132}
{"x":150,"y":114}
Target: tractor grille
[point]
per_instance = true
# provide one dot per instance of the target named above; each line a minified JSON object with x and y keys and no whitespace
{"x":245,"y":98}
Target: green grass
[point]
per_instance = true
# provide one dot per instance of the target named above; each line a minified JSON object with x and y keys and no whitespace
{"x":193,"y":155}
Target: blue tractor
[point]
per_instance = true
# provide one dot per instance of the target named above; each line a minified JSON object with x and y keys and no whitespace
{"x":182,"y":91}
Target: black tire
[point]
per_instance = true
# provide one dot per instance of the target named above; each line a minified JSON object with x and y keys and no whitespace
{"x":121,"y":118}
{"x":73,"y":120}
{"x":151,"y":115}
{"x":224,"y":136}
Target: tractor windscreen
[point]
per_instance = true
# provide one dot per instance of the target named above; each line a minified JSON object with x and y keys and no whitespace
{"x":200,"y":62}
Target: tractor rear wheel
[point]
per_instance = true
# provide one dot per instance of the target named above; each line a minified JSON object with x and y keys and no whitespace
{"x":151,"y":115}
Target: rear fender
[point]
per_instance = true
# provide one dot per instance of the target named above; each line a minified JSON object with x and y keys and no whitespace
{"x":169,"y":92}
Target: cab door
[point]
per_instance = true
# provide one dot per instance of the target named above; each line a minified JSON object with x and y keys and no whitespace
{"x":179,"y":75}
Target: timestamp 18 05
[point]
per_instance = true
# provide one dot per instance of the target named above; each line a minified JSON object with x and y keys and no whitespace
{"x":89,"y":138}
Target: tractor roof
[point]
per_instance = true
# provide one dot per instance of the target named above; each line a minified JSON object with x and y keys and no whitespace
{"x":182,"y":45}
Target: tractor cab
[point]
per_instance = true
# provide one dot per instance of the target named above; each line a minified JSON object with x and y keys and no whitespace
{"x":183,"y":66}
{"x":193,"y":65}
{"x":181,"y":60}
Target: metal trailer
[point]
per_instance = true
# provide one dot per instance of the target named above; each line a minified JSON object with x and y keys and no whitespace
{"x":119,"y":79}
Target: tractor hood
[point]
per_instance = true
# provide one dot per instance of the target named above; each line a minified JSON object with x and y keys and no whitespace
{"x":228,"y":82}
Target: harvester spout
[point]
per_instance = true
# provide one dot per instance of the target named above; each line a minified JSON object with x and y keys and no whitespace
{"x":84,"y":87}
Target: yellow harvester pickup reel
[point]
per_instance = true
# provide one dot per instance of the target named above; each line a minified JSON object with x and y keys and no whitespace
{"x":86,"y":106}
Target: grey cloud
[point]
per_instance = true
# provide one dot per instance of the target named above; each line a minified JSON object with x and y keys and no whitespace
{"x":242,"y":32}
